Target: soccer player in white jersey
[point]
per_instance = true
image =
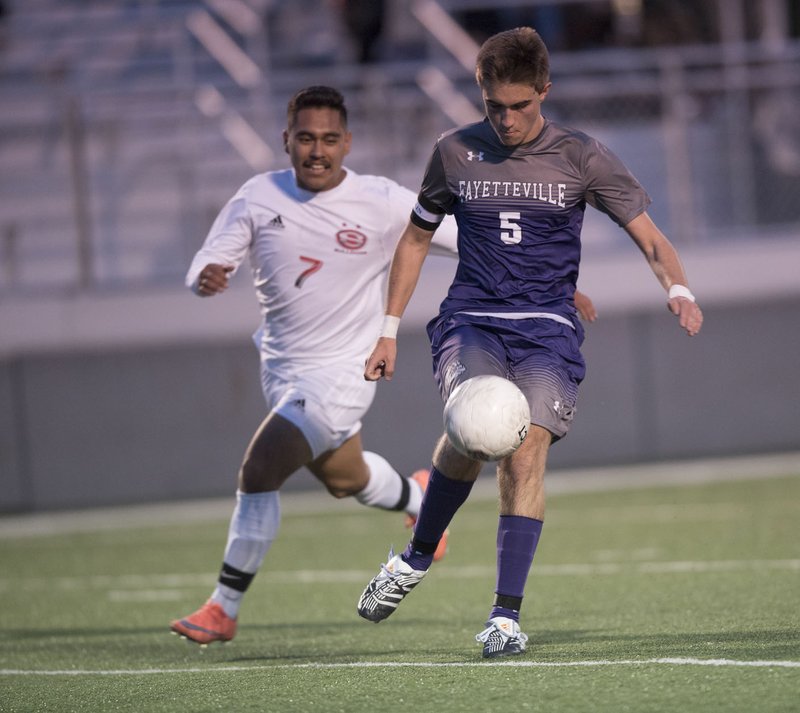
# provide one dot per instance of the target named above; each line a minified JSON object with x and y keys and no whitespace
{"x":518,"y":185}
{"x":319,"y":238}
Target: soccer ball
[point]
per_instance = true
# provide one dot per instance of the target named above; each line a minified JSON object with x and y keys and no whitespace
{"x":486,"y":417}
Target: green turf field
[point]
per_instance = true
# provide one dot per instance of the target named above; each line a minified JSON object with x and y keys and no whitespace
{"x":679,"y":598}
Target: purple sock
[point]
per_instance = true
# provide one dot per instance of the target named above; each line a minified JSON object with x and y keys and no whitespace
{"x":442,"y":499}
{"x":517,"y":538}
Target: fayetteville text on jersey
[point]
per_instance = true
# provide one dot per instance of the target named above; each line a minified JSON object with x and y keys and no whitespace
{"x":552,"y":193}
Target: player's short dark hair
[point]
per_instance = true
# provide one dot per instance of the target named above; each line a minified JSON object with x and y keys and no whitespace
{"x":516,"y":56}
{"x":316,"y":97}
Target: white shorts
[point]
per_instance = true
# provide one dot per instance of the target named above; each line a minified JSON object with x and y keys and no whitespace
{"x":326,"y":402}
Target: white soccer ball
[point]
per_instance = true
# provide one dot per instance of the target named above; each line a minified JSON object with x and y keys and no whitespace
{"x":486,"y":417}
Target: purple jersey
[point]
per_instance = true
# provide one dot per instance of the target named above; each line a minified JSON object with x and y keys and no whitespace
{"x":519,"y":212}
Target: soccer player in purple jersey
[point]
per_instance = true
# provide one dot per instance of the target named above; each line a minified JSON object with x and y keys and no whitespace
{"x":518,"y":185}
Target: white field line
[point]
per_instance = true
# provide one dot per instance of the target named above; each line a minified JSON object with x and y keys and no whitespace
{"x":406,"y":664}
{"x":123,"y":587}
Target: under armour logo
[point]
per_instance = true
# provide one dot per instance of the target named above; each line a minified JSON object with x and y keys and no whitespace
{"x":472,"y":156}
{"x":566,"y":412}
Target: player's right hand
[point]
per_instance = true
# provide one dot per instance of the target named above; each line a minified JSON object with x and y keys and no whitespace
{"x":382,"y":360}
{"x":585,"y":307}
{"x":213,"y":279}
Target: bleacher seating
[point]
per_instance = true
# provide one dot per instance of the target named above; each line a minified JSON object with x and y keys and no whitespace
{"x":110,"y":172}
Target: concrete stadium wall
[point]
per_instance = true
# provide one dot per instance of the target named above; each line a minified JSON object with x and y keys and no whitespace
{"x":115,"y":426}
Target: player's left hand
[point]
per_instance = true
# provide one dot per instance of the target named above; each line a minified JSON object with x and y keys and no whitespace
{"x":689,"y":314}
{"x":381,"y":362}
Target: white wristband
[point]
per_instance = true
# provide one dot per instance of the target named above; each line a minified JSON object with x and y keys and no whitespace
{"x":681,"y":291}
{"x":390,"y":325}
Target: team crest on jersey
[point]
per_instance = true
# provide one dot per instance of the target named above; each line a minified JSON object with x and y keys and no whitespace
{"x":352,"y":240}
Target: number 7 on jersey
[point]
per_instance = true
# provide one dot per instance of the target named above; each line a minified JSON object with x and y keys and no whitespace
{"x":303,"y":276}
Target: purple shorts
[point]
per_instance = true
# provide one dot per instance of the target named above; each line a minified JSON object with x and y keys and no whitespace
{"x":541,"y":356}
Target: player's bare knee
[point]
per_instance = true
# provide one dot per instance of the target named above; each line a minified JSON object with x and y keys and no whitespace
{"x":452,"y":463}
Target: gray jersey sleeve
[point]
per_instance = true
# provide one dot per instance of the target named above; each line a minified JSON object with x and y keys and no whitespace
{"x":434,"y":194}
{"x":610,"y":187}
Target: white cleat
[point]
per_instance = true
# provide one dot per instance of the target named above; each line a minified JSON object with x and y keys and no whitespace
{"x":388,"y":588}
{"x":501,"y":637}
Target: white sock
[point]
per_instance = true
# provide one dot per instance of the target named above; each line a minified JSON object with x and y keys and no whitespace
{"x":414,"y":498}
{"x":253,"y":527}
{"x":385,"y":487}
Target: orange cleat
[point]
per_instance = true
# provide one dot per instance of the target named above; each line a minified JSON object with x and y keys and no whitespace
{"x":422,"y":477}
{"x":209,"y":623}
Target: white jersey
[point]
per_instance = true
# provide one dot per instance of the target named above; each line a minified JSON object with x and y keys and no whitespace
{"x":319,"y":262}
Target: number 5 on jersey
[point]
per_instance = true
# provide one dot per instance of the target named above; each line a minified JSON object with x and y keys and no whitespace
{"x":510,"y":230}
{"x":314,"y":266}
